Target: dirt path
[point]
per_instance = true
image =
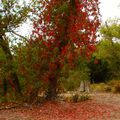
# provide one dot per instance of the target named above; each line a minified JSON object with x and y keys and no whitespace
{"x":112,"y":100}
{"x":103,"y":106}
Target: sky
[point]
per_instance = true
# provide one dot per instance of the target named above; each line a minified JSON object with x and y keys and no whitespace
{"x":108,"y":9}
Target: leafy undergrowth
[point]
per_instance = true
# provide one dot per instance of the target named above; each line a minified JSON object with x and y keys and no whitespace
{"x":49,"y":110}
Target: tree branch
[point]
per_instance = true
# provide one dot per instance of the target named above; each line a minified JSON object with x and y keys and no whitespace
{"x":2,"y":10}
{"x":72,"y":2}
{"x":110,"y":38}
{"x":18,"y":35}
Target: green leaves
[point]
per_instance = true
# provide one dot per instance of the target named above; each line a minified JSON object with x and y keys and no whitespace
{"x":111,"y":54}
{"x":14,"y":14}
{"x":111,"y":30}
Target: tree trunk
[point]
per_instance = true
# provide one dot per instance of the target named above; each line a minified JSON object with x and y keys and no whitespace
{"x":9,"y":59}
{"x":32,"y":99}
{"x":72,"y":2}
{"x":52,"y":86}
{"x":84,"y":86}
{"x":5,"y":87}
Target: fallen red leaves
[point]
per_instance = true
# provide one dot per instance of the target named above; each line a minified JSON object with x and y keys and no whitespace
{"x":88,"y":110}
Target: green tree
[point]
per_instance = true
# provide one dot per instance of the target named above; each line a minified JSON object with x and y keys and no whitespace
{"x":111,"y":30}
{"x":109,"y":47}
{"x":98,"y":70}
{"x":111,"y":54}
{"x":12,"y":15}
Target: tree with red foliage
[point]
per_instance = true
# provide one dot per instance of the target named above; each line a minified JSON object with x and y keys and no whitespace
{"x":65,"y":27}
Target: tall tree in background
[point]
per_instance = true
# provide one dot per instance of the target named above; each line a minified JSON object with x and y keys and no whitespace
{"x":109,"y":47}
{"x":111,"y":30}
{"x":12,"y":14}
{"x":66,"y":29}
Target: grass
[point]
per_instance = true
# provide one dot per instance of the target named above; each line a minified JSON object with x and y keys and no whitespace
{"x":111,"y":86}
{"x":98,"y":87}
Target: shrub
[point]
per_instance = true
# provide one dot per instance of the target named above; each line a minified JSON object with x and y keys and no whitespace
{"x":71,"y":82}
{"x":80,"y":97}
{"x":98,"y":87}
{"x":74,"y":79}
{"x":98,"y":70}
{"x":117,"y":89}
{"x":72,"y":96}
{"x":108,"y":88}
{"x":84,"y":97}
{"x":75,"y":98}
{"x":114,"y":85}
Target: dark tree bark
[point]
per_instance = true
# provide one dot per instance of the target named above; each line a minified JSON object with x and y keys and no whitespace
{"x":5,"y":87}
{"x":72,"y":2}
{"x":9,"y":59}
{"x":52,"y":87}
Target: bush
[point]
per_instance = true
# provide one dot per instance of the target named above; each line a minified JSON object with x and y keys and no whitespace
{"x":75,"y":98}
{"x":111,"y":86}
{"x":80,"y":97}
{"x":72,"y":82}
{"x":98,"y":70}
{"x":117,"y":89}
{"x":114,"y":85}
{"x":98,"y":87}
{"x":84,"y":97}
{"x":30,"y":67}
{"x":108,"y":66}
{"x":108,"y":88}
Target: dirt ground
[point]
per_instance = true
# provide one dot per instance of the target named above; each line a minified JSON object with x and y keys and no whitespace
{"x":102,"y":106}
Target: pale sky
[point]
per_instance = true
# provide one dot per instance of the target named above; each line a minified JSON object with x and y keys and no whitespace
{"x":108,"y":9}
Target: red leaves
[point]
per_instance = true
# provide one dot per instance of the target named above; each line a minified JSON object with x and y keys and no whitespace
{"x":52,"y":66}
{"x":47,"y":18}
{"x":92,"y":48}
{"x":63,"y":27}
{"x":51,"y":33}
{"x":96,"y":61}
{"x":63,"y":111}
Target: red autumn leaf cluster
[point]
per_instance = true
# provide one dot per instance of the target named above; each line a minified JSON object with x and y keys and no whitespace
{"x":67,"y":25}
{"x":65,"y":29}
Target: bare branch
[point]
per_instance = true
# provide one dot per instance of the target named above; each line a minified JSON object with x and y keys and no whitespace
{"x":2,"y":10}
{"x":18,"y":35}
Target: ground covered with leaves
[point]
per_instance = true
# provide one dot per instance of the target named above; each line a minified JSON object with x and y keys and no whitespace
{"x":102,"y":106}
